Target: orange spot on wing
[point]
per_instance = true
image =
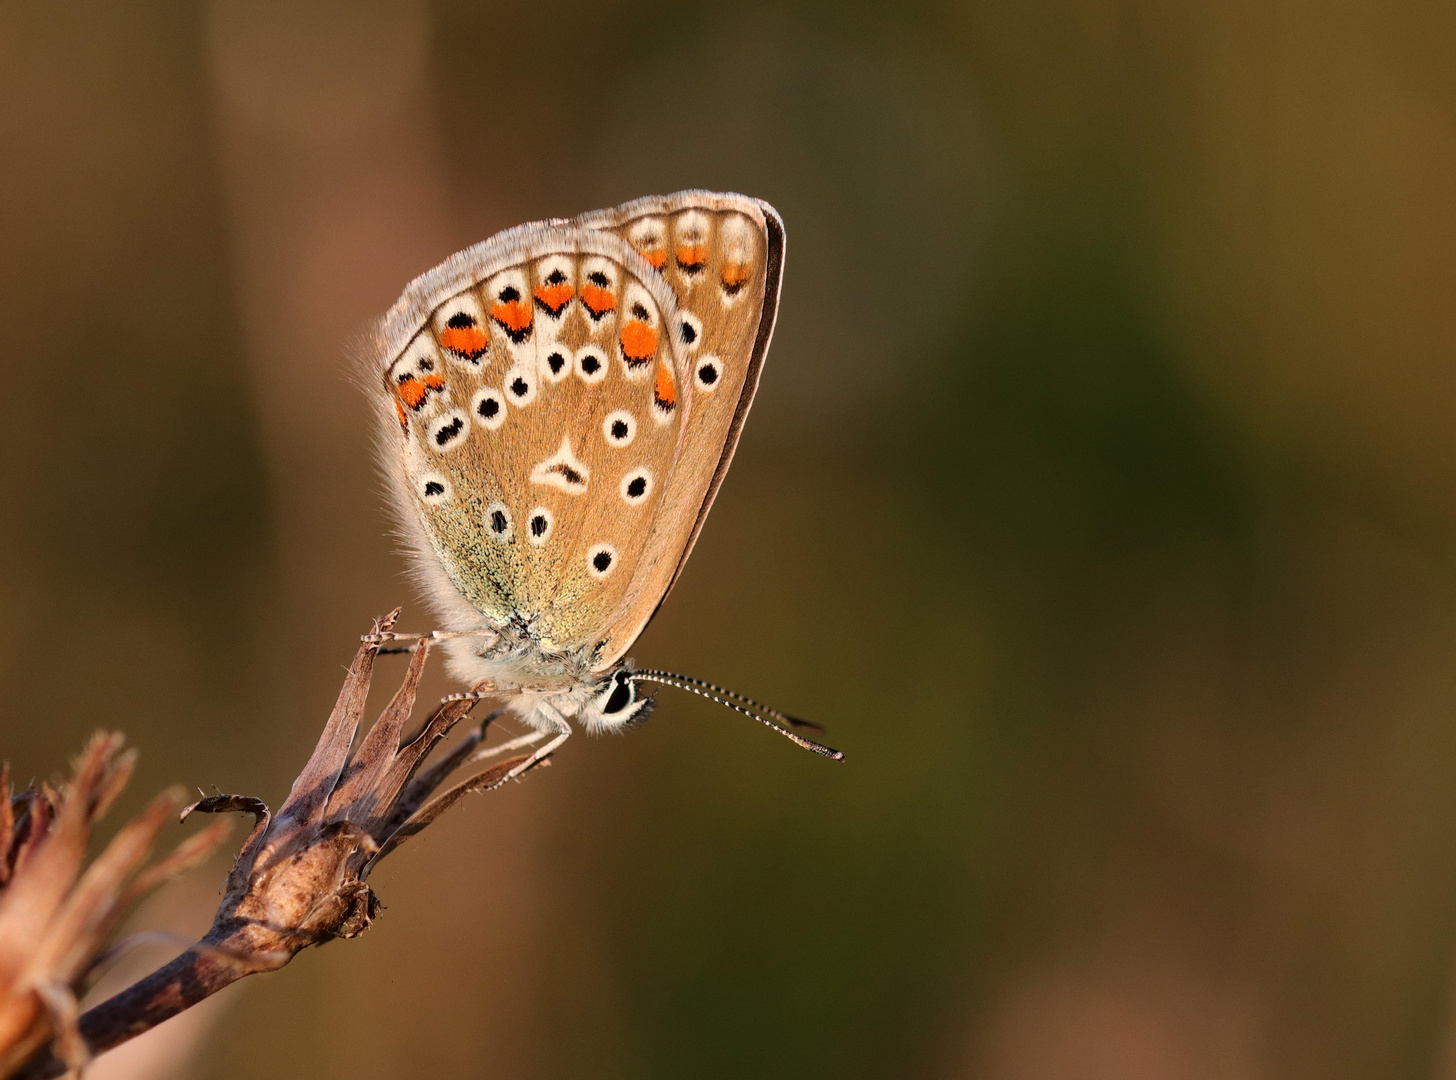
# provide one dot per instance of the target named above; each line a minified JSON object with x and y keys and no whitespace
{"x":411,"y":391}
{"x":735,"y":274}
{"x":656,"y":256}
{"x":553,"y":297}
{"x":639,"y":342}
{"x":597,"y":299}
{"x":435,"y":382}
{"x":403,"y":417}
{"x":664,"y":393}
{"x":692,"y":256}
{"x":466,"y":341}
{"x":513,"y":315}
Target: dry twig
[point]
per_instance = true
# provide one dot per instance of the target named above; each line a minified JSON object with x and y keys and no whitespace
{"x":301,"y":876}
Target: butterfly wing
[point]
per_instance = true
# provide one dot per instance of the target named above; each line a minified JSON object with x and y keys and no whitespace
{"x":529,"y":392}
{"x":559,"y":405}
{"x":722,"y":255}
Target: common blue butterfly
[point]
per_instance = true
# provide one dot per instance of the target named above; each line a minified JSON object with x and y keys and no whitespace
{"x":558,"y":406}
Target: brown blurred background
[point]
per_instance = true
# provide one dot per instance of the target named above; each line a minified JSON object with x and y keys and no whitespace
{"x":1100,"y":497}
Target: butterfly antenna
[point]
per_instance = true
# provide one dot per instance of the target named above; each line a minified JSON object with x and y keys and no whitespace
{"x":725,"y":692}
{"x":682,"y":682}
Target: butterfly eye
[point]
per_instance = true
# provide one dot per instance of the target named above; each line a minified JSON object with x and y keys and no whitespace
{"x":498,"y":521}
{"x":619,"y":428}
{"x":600,"y":560}
{"x":621,"y":696}
{"x":539,"y":527}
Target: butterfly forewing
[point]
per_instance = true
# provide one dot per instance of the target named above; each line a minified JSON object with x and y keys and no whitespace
{"x":722,"y":255}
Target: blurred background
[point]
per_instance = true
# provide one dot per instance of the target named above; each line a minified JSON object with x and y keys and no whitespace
{"x":1100,"y":498}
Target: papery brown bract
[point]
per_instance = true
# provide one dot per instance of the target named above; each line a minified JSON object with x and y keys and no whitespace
{"x":55,"y":919}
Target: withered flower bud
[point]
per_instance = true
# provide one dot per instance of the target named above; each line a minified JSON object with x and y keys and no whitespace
{"x":55,"y":918}
{"x":302,"y":876}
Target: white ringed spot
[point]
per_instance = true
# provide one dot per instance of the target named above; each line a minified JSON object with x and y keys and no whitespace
{"x":707,"y":373}
{"x":601,"y":560}
{"x":520,"y":386}
{"x":689,"y":330}
{"x":637,"y":485}
{"x":619,"y":428}
{"x":555,"y":361}
{"x":539,"y":524}
{"x":591,"y":364}
{"x":433,"y":489}
{"x":489,"y":408}
{"x":498,"y":521}
{"x":448,"y":431}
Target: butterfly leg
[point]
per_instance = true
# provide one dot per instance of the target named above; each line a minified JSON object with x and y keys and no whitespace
{"x":560,"y":732}
{"x":510,"y":744}
{"x":471,"y":695}
{"x":384,"y":638}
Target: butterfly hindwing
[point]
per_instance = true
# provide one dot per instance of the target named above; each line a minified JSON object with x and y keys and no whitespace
{"x":722,"y":255}
{"x":561,"y":402}
{"x":538,"y":414}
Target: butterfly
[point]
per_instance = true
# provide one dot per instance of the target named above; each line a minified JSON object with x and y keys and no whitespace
{"x":558,"y":406}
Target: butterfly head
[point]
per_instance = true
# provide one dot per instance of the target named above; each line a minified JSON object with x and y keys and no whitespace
{"x":619,"y":703}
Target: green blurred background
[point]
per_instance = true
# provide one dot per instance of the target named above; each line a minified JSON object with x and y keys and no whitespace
{"x":1100,"y":498}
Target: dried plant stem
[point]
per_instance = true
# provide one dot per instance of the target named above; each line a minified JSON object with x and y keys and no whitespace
{"x":301,"y":876}
{"x":172,"y":988}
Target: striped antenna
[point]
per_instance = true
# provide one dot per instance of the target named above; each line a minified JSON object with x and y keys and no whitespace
{"x":725,"y":692}
{"x":704,"y":689}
